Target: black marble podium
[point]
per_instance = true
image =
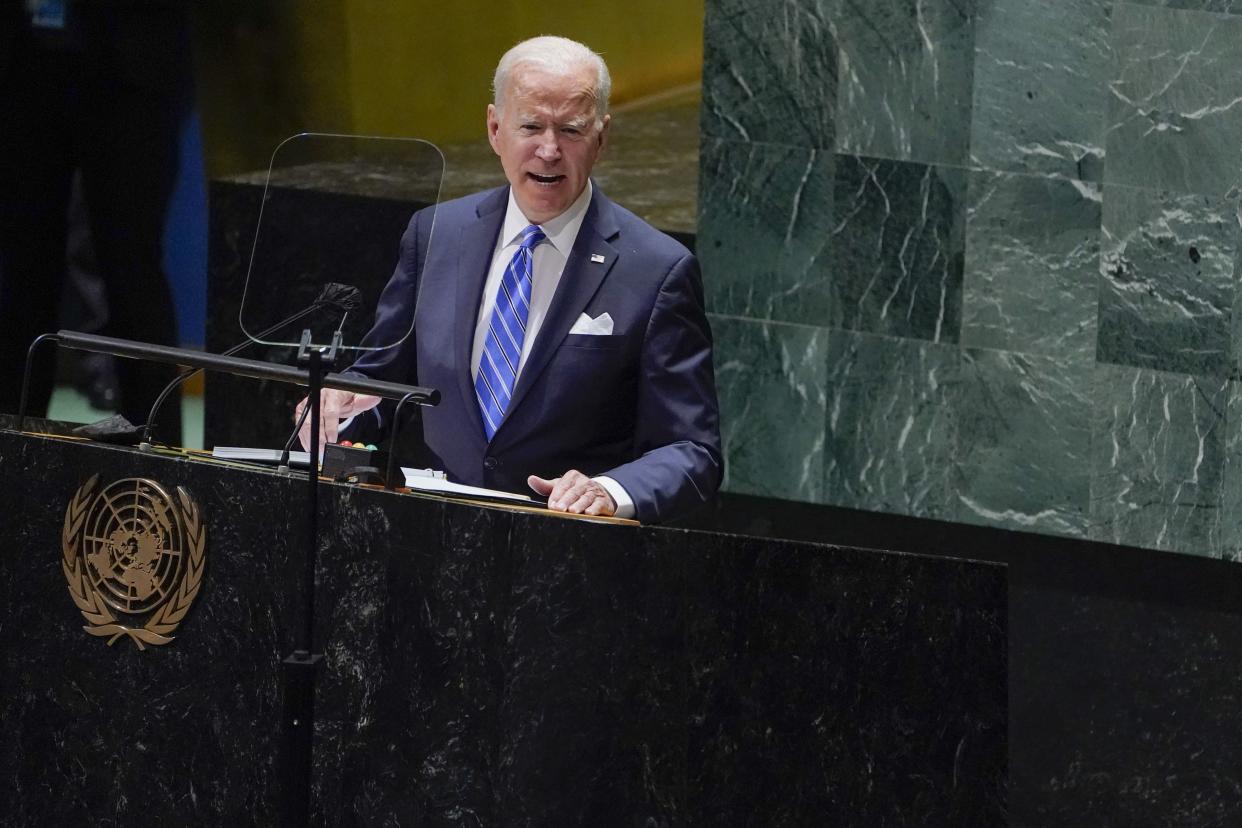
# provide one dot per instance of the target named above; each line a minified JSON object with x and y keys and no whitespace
{"x":488,"y":666}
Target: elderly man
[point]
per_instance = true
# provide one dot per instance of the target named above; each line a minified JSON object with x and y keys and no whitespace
{"x":567,"y":337}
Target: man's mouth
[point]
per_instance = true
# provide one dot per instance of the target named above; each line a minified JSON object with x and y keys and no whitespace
{"x":545,"y":179}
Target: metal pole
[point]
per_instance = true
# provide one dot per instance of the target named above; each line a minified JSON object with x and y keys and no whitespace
{"x":300,"y":667}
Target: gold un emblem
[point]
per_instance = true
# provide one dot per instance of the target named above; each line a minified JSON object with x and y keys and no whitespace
{"x":133,"y":557}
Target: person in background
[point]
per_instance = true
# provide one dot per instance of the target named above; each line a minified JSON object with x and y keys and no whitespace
{"x":98,"y":86}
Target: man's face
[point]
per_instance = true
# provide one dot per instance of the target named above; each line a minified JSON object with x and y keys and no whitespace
{"x":546,"y":137}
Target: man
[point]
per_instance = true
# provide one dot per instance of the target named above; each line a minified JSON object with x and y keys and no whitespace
{"x":567,"y":337}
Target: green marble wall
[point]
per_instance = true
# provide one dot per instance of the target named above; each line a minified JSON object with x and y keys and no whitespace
{"x":977,"y":260}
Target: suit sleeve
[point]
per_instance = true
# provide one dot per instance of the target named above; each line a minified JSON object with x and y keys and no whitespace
{"x":680,"y":464}
{"x":394,"y":318}
{"x":394,"y":314}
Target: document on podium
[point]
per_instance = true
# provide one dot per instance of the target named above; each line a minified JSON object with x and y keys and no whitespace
{"x":259,"y":455}
{"x":421,"y":480}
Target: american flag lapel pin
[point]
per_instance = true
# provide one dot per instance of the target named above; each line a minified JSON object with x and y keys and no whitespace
{"x":597,"y":258}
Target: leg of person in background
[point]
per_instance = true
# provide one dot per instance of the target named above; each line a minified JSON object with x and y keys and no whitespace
{"x":128,"y":175}
{"x":131,"y":112}
{"x":85,"y":306}
{"x":36,"y":164}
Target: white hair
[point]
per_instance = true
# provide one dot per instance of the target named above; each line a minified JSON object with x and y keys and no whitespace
{"x":556,"y":54}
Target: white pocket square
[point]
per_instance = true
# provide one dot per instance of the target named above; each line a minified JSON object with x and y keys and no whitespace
{"x":599,"y":326}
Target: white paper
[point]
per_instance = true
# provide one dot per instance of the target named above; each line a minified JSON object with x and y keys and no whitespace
{"x":258,"y":455}
{"x":418,"y":480}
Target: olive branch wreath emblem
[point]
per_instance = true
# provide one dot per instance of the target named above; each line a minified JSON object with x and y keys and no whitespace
{"x":101,"y":620}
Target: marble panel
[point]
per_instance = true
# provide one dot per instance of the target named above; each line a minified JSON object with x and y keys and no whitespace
{"x":770,"y":72}
{"x":889,"y":424}
{"x":800,"y":710}
{"x":1032,"y":263}
{"x":409,"y":695}
{"x":1215,"y":6}
{"x":1231,"y":493}
{"x":1022,"y":458}
{"x":1175,"y":118}
{"x":897,"y":248}
{"x":1167,"y":281}
{"x":1235,"y":327}
{"x":770,"y":378}
{"x":1158,"y":449}
{"x":1040,"y":93}
{"x":906,"y":78}
{"x":764,"y":230}
{"x":576,"y":651}
{"x":1124,"y":706}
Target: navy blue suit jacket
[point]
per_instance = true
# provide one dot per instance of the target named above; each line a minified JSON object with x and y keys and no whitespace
{"x":639,"y":405}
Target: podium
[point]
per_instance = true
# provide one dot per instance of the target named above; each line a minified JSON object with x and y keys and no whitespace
{"x":496,"y":666}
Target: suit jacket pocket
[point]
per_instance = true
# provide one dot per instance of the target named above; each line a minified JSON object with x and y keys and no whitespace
{"x":594,"y":341}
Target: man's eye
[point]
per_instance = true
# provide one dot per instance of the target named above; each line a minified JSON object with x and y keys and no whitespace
{"x":530,"y":127}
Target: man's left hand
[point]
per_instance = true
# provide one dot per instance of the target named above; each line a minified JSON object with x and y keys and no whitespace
{"x":574,"y":492}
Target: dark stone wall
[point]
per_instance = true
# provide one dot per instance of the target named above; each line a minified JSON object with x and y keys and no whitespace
{"x":1122,"y":663}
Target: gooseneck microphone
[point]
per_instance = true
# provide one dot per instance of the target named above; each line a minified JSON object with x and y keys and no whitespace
{"x":344,"y":298}
{"x":312,"y":453}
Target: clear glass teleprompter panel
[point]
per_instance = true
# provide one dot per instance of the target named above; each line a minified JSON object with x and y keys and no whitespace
{"x":333,"y":213}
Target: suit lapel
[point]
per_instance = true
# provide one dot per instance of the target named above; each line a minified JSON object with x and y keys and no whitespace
{"x":475,"y":246}
{"x":578,"y":284}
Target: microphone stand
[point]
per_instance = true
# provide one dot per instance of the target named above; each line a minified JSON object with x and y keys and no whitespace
{"x":301,"y":666}
{"x":30,"y":355}
{"x":283,"y":465}
{"x":392,"y":442}
{"x":147,"y":429}
{"x":324,"y":300}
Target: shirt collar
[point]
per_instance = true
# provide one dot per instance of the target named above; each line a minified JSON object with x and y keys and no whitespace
{"x":560,"y":231}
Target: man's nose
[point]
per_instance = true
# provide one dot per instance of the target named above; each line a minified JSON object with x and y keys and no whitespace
{"x":549,"y":148}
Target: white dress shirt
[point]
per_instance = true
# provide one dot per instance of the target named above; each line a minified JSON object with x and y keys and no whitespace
{"x":549,"y":257}
{"x":549,"y":263}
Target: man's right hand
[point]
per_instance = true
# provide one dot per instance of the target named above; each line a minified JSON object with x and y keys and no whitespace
{"x":335,"y":406}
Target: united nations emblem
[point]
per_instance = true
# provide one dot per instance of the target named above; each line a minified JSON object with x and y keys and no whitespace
{"x":133,"y":557}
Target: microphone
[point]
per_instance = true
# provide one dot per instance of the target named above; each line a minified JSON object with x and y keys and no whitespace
{"x":344,"y":298}
{"x":347,"y":301}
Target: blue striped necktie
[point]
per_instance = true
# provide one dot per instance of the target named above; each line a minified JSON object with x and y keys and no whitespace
{"x":502,"y":351}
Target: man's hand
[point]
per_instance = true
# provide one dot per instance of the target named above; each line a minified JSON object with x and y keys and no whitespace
{"x":574,"y":492}
{"x":334,"y":406}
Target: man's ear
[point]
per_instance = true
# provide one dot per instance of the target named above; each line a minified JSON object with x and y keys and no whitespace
{"x":603,"y":132}
{"x":493,"y":126}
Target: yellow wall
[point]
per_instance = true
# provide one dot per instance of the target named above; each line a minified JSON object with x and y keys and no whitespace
{"x":271,"y":68}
